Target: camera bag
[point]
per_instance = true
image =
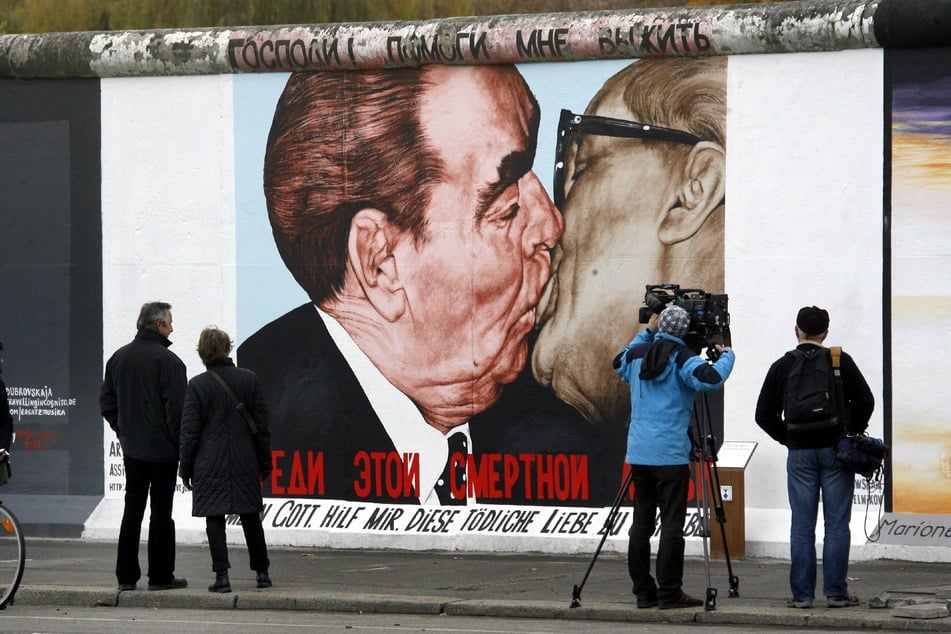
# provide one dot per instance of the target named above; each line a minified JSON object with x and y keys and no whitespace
{"x":857,"y":452}
{"x":861,"y":454}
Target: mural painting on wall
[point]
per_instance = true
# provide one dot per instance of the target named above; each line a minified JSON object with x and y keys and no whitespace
{"x":456,"y":305}
{"x":920,"y":85}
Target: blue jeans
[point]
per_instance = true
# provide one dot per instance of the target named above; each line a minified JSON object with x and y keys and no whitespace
{"x":810,"y":471}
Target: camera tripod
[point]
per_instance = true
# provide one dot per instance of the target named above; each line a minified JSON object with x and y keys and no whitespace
{"x":606,"y":530}
{"x":706,"y":472}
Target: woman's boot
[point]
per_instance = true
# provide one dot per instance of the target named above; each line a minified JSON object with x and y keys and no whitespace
{"x":221,"y":584}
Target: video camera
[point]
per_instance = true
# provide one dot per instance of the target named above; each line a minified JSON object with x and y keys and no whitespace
{"x":709,"y":317}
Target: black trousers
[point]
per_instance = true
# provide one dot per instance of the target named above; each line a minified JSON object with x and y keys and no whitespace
{"x":665,"y":487}
{"x":146,"y":481}
{"x":253,"y":537}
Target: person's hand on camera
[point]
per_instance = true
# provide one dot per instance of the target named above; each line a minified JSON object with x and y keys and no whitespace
{"x":654,"y":322}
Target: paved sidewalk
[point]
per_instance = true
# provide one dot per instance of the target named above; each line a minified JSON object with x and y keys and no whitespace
{"x":80,"y":573}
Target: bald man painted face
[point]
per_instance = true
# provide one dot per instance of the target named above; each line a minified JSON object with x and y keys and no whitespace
{"x":637,"y":211}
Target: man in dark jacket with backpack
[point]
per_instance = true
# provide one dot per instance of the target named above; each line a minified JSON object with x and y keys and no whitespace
{"x":141,"y":398}
{"x":803,"y":406}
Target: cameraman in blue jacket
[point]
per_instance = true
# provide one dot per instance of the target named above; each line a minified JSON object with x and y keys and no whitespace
{"x":665,"y":376}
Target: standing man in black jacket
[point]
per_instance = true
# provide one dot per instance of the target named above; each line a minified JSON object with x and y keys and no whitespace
{"x":141,"y":398}
{"x":811,"y":466}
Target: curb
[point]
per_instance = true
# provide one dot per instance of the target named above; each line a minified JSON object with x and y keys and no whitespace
{"x":773,"y":614}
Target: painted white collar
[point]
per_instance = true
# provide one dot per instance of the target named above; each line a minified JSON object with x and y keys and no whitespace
{"x":404,"y":423}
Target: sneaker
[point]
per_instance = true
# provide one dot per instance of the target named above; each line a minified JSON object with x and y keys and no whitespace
{"x":844,"y":601}
{"x":684,"y":601}
{"x":126,"y":587}
{"x":174,"y":584}
{"x":796,"y":603}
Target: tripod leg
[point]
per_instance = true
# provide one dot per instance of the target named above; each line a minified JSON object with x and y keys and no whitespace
{"x":721,"y":519}
{"x":608,"y":525}
{"x":710,"y":460}
{"x":703,"y":518}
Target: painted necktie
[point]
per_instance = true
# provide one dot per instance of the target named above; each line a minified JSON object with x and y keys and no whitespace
{"x":454,"y":473}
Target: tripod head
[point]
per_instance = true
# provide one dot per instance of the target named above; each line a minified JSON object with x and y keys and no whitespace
{"x":704,"y":447}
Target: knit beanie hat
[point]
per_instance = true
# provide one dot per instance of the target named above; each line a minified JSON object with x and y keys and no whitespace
{"x":812,"y":320}
{"x":675,"y":321}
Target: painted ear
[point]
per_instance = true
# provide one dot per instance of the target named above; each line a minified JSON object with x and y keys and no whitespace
{"x":370,"y":258}
{"x":701,"y":192}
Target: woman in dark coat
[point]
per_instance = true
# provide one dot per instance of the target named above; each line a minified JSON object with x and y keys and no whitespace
{"x":223,"y":460}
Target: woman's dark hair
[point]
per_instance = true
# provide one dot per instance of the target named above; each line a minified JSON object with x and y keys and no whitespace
{"x":214,"y":345}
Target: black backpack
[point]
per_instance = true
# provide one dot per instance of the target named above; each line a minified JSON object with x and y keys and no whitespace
{"x":810,"y":402}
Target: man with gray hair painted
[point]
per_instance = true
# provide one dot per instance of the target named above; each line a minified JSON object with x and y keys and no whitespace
{"x":404,"y":203}
{"x":665,"y":376}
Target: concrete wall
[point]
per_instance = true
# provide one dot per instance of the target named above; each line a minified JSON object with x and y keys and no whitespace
{"x":833,"y":199}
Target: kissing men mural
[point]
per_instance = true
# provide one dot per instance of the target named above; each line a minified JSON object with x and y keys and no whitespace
{"x":408,"y":206}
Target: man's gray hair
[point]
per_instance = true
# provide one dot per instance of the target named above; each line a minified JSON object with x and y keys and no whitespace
{"x":152,"y":312}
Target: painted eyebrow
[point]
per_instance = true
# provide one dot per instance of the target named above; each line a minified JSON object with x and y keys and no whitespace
{"x":512,"y":167}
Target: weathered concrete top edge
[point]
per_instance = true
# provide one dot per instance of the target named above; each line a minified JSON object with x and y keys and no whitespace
{"x":782,"y":27}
